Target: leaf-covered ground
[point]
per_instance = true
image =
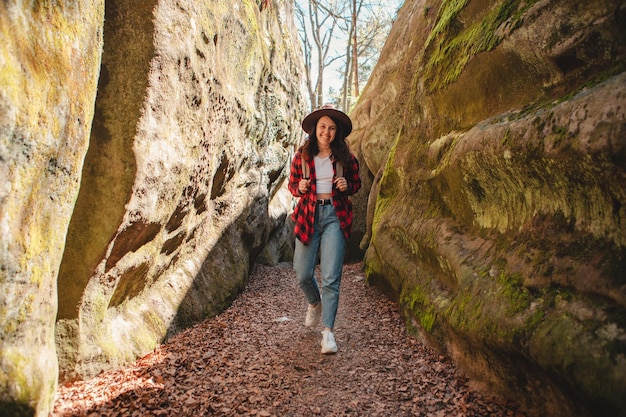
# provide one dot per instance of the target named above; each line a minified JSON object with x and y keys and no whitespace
{"x":258,"y":359}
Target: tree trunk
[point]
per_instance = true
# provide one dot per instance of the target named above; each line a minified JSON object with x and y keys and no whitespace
{"x":355,"y":55}
{"x":347,"y":77}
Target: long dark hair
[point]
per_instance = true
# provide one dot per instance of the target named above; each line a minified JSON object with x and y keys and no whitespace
{"x":339,"y":146}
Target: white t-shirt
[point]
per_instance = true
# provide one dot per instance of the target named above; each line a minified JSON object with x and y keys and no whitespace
{"x":323,"y":175}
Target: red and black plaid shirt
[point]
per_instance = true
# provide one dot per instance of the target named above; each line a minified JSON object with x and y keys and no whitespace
{"x":304,"y":213}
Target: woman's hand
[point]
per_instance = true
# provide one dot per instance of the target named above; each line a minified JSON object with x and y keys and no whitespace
{"x":304,"y":185}
{"x":341,"y":183}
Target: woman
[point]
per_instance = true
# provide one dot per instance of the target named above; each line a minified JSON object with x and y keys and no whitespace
{"x":323,"y":174}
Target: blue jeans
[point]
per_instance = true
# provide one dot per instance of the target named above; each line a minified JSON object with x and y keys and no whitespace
{"x":329,"y":241}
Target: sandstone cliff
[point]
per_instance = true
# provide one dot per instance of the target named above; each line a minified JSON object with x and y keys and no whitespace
{"x":49,"y":64}
{"x":143,"y":148}
{"x":492,"y":136}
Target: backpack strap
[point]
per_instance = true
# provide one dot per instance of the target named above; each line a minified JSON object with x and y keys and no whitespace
{"x":305,"y":169}
{"x":339,"y":169}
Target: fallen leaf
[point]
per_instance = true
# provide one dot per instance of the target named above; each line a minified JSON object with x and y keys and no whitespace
{"x":241,"y":362}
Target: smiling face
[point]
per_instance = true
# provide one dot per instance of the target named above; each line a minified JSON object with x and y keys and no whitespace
{"x":325,"y":130}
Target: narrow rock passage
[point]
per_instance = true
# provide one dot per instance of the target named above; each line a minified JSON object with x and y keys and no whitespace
{"x":257,"y":359}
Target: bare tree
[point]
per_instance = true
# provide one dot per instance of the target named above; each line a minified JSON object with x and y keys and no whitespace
{"x":361,"y":24}
{"x":367,"y":27}
{"x":351,"y":72}
{"x":317,"y":25}
{"x":306,"y":46}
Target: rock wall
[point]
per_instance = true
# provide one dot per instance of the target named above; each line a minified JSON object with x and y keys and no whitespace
{"x":492,"y":138}
{"x":49,"y":64}
{"x":144,"y":147}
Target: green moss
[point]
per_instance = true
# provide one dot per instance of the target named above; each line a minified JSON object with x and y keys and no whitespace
{"x":450,"y":45}
{"x":154,"y":323}
{"x":251,"y":15}
{"x":447,"y":13}
{"x":388,"y":186}
{"x":24,"y":312}
{"x":390,"y":178}
{"x":514,"y":292}
{"x":534,"y":320}
{"x":406,"y":242}
{"x":418,"y":303}
{"x":144,"y":339}
{"x":10,"y":76}
{"x":382,"y":205}
{"x":495,"y":308}
{"x":507,"y":137}
{"x":107,"y":346}
{"x":465,"y":313}
{"x":15,"y":376}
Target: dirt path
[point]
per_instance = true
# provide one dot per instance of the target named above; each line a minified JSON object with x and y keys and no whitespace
{"x":257,"y":359}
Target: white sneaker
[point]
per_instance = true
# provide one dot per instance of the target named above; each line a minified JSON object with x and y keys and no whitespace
{"x":313,"y":315}
{"x":328,"y":342}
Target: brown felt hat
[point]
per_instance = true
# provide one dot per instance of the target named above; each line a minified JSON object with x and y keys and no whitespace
{"x":327,"y":110}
